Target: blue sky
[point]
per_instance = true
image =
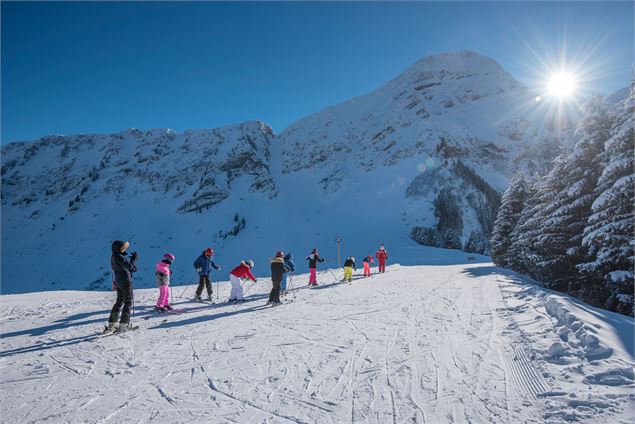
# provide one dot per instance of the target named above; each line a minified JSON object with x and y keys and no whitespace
{"x":102,"y":67}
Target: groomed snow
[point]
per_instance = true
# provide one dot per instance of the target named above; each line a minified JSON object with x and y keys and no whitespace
{"x":420,"y":344}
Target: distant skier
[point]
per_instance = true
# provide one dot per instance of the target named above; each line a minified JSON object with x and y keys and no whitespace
{"x":241,"y":271}
{"x":349,"y":267}
{"x":367,"y":261}
{"x":313,"y":259}
{"x":204,"y":265}
{"x":382,"y":257}
{"x":162,"y":274}
{"x":122,"y":269}
{"x":289,"y":267}
{"x":277,"y":271}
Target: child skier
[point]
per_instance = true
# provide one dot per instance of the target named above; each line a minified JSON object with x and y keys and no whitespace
{"x":367,"y":261}
{"x":162,"y":274}
{"x":122,"y":270}
{"x":382,"y":257}
{"x":349,"y":267}
{"x":313,"y":259}
{"x":204,"y":265}
{"x":289,"y":267}
{"x":277,"y":270}
{"x":241,"y":271}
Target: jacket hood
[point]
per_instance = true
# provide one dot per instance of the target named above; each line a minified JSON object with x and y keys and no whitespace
{"x":116,"y":246}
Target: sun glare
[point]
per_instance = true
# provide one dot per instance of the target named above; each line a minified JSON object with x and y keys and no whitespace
{"x":561,"y":85}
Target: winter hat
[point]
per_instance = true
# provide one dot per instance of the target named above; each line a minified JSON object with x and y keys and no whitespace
{"x":169,"y":257}
{"x":249,"y":263}
{"x":209,"y":251}
{"x":279,"y":254}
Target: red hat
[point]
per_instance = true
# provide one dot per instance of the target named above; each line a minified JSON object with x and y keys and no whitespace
{"x":209,"y":251}
{"x":279,"y":254}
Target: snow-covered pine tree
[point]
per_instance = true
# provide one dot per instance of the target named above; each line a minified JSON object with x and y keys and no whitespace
{"x":609,"y":235}
{"x":571,"y":206}
{"x":544,"y":245}
{"x":512,"y":204}
{"x":519,"y":257}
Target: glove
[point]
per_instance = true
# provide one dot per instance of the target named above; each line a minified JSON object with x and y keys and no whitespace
{"x":199,"y":269}
{"x":134,"y":256}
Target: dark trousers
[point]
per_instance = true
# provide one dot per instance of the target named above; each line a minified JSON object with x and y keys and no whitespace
{"x":203,"y":280}
{"x":274,"y":295}
{"x":124,"y":298}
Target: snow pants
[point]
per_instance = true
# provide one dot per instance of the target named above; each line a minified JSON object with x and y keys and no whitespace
{"x":237,"y":288}
{"x":312,"y":276}
{"x":348,"y":273}
{"x":274,"y":295}
{"x":203,"y":280}
{"x":366,"y":269}
{"x":382,"y":265}
{"x":164,"y":296}
{"x":124,"y":298}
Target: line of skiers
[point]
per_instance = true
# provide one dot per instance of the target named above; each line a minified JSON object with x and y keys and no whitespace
{"x":282,"y":271}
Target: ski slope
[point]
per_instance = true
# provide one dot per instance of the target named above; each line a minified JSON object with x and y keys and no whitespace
{"x":419,"y":344}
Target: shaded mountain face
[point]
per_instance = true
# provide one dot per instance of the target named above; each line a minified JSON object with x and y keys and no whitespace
{"x":453,"y":123}
{"x":197,"y":167}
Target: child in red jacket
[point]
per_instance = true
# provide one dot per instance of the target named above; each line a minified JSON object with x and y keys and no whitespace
{"x":241,"y":271}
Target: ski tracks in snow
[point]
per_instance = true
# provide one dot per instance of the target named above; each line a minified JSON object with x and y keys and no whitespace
{"x":418,"y":344}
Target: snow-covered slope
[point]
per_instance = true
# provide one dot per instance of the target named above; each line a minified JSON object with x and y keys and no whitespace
{"x":437,"y":344}
{"x":368,"y":169}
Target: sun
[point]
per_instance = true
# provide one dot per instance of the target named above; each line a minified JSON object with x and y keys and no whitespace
{"x":561,"y":85}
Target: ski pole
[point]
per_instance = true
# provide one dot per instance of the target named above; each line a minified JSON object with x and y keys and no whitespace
{"x":253,"y":284}
{"x":291,"y":284}
{"x":187,"y":286}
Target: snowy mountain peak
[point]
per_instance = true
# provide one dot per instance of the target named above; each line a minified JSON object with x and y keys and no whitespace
{"x":444,"y":67}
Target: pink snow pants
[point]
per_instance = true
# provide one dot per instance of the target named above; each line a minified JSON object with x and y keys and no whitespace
{"x":164,"y":296}
{"x":366,"y":269}
{"x":312,"y":275}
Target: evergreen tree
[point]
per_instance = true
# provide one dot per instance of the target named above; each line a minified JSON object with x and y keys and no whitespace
{"x":543,"y":244}
{"x":512,"y":204}
{"x":570,"y":208}
{"x":609,"y":235}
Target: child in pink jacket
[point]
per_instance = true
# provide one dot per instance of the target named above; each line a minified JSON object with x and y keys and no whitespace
{"x":163,"y":281}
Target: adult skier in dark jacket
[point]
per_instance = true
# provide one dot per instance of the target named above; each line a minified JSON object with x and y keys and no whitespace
{"x":313,"y":259}
{"x":204,"y":265}
{"x":122,"y":269}
{"x":277,"y":270}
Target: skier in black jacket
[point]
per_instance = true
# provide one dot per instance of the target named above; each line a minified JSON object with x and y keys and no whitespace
{"x":122,"y":269}
{"x":313,"y":259}
{"x":277,"y":270}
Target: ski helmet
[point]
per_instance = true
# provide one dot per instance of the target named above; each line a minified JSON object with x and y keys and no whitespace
{"x":279,"y":254}
{"x":209,"y":251}
{"x":249,"y":263}
{"x":169,"y":256}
